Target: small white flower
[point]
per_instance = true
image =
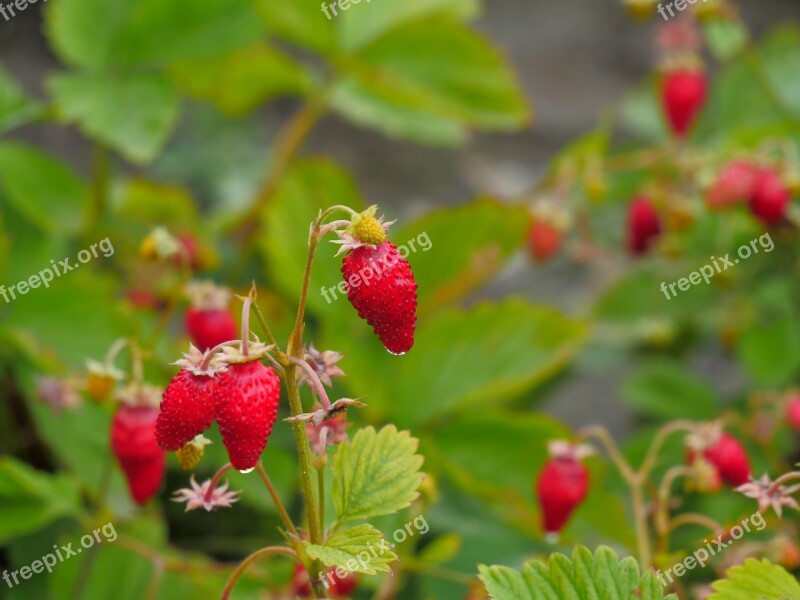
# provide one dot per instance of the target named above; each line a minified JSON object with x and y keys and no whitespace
{"x":198,"y":496}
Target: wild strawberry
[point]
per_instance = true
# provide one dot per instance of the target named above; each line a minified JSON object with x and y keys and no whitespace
{"x":734,"y":184}
{"x":187,"y":409}
{"x":188,"y":253}
{"x":793,"y":412}
{"x":546,"y":233}
{"x":246,"y":407}
{"x":208,"y":321}
{"x":562,"y":486}
{"x":644,"y":225}
{"x":380,"y":284}
{"x":337,"y":587}
{"x":770,"y":197}
{"x":683,"y":96}
{"x":133,"y":442}
{"x":723,"y":451}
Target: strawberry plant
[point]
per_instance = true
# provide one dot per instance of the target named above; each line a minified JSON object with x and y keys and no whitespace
{"x":216,"y":345}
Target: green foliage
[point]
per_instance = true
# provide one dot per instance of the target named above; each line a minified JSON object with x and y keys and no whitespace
{"x":360,"y":549}
{"x":375,"y":474}
{"x":664,"y":390}
{"x":583,"y":577}
{"x":756,"y":579}
{"x":31,"y":499}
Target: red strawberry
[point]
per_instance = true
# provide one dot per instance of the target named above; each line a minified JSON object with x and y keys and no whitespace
{"x":336,"y":586}
{"x":133,"y":442}
{"x":644,"y":225}
{"x":544,"y":240}
{"x":187,"y":409}
{"x":730,"y":459}
{"x":793,"y":412}
{"x":246,"y":407}
{"x":770,"y":197}
{"x":208,"y":328}
{"x":734,"y":184}
{"x":382,"y":289}
{"x":562,"y":487}
{"x":684,"y":94}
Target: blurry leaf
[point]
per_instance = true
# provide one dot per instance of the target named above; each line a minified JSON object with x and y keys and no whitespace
{"x":440,"y":550}
{"x":665,"y":390}
{"x":376,"y":474}
{"x":583,"y":577}
{"x":118,"y":34}
{"x":346,"y":549}
{"x":133,"y":114}
{"x":725,"y":38}
{"x":44,"y":190}
{"x":780,"y":56}
{"x":300,"y":22}
{"x":16,"y":107}
{"x":239,"y":82}
{"x":756,"y":579}
{"x":153,"y":203}
{"x":455,"y":251}
{"x":771,"y":352}
{"x":641,"y":114}
{"x":369,"y":21}
{"x":434,"y":68}
{"x":32,"y":499}
{"x":481,"y":356}
{"x":309,"y":187}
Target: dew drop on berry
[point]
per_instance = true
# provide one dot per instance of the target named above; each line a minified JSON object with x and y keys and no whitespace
{"x":246,"y":471}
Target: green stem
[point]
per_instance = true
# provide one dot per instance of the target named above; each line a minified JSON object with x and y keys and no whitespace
{"x":278,"y":504}
{"x":321,"y":489}
{"x":269,"y":551}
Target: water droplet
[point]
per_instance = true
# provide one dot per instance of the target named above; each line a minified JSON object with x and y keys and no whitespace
{"x":395,"y":353}
{"x":246,"y":471}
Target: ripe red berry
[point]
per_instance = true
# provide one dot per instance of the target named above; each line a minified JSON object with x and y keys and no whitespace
{"x":246,"y":406}
{"x":683,"y":96}
{"x":382,"y":289}
{"x":544,"y":240}
{"x":730,"y":459}
{"x":187,"y":409}
{"x":561,"y":488}
{"x":770,"y":197}
{"x":133,"y":442}
{"x":208,"y":328}
{"x":793,"y":412}
{"x":644,"y":225}
{"x":734,"y":184}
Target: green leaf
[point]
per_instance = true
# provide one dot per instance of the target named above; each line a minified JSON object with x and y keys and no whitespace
{"x":663,"y":389}
{"x":239,"y":82}
{"x":584,"y":577}
{"x":480,"y":356}
{"x":152,"y":204}
{"x":726,"y":38}
{"x":16,"y":107}
{"x":104,"y":35}
{"x":436,"y":68}
{"x":300,"y":22}
{"x":454,"y":251}
{"x":771,"y":352}
{"x":309,"y":187}
{"x":32,"y":499}
{"x":376,"y":474}
{"x":756,"y":579}
{"x":369,"y":20}
{"x":781,"y":60}
{"x":133,"y":114}
{"x":360,"y":549}
{"x":44,"y":190}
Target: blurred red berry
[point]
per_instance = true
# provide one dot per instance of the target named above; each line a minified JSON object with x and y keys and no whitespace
{"x":684,"y":94}
{"x":734,"y":184}
{"x":729,"y":457}
{"x":544,"y":240}
{"x":188,"y":252}
{"x":133,"y":442}
{"x":644,"y":226}
{"x":562,"y":486}
{"x":793,"y":412}
{"x":770,"y":197}
{"x":336,"y":586}
{"x":208,"y":328}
